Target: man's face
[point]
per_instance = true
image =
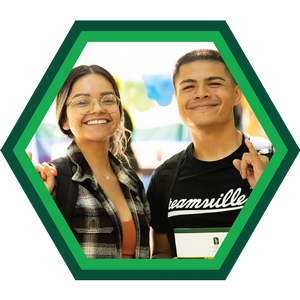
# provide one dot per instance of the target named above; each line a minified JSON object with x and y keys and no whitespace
{"x":206,"y":94}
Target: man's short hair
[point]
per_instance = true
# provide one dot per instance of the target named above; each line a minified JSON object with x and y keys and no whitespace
{"x":199,"y":55}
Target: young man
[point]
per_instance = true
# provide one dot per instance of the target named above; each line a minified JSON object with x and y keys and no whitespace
{"x":214,"y":180}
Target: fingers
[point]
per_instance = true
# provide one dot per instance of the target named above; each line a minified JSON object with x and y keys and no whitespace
{"x":253,"y":152}
{"x":237,"y":163}
{"x":245,"y":165}
{"x":243,"y":168}
{"x":45,"y":165}
{"x":259,"y":162}
{"x":45,"y":170}
{"x":250,"y":160}
{"x":47,"y":173}
{"x":50,"y":168}
{"x":42,"y":171}
{"x":246,"y":161}
{"x":29,"y":154}
{"x":251,"y":165}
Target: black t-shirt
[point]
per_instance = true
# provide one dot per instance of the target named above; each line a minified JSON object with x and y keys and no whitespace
{"x":206,"y":195}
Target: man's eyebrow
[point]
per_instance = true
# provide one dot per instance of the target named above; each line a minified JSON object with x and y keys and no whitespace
{"x":88,"y":95}
{"x":214,"y":78}
{"x":187,"y":81}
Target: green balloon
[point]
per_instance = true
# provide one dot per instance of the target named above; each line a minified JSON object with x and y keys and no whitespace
{"x":134,"y":92}
{"x":143,"y":104}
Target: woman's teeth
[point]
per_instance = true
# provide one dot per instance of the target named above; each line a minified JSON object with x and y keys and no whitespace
{"x":93,"y":122}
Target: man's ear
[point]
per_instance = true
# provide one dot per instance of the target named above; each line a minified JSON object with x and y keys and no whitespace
{"x":238,"y":95}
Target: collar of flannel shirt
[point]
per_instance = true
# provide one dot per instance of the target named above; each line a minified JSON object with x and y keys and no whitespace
{"x":83,"y":170}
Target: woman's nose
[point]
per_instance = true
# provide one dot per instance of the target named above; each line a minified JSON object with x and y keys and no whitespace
{"x":96,"y":107}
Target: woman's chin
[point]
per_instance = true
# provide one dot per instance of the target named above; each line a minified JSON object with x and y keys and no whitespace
{"x":92,"y":140}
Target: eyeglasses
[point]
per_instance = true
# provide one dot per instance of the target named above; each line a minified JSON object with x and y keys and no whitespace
{"x":84,"y":104}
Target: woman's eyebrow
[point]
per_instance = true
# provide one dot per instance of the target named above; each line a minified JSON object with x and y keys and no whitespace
{"x":79,"y":95}
{"x":88,"y":95}
{"x":106,"y":93}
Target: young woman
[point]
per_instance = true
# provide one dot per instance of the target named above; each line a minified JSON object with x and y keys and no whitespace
{"x":111,"y":219}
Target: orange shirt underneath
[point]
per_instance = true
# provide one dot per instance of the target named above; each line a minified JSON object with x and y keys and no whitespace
{"x":129,"y":239}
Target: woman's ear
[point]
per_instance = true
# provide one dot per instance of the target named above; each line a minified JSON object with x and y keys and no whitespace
{"x":66,"y":125}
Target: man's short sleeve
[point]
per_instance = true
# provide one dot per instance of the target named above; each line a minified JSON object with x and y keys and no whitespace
{"x":158,"y":217}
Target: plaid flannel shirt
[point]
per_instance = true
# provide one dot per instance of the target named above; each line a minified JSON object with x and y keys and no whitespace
{"x":95,"y":222}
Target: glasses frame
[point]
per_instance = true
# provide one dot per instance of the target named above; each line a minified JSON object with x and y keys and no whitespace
{"x":92,"y":106}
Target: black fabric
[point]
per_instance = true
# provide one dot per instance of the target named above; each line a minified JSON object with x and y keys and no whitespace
{"x":206,"y":194}
{"x":167,"y":177}
{"x":67,"y":191}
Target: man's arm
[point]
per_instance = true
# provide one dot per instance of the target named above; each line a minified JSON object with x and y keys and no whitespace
{"x":160,"y":245}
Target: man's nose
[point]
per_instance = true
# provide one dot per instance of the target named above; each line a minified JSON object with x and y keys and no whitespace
{"x":202,"y":92}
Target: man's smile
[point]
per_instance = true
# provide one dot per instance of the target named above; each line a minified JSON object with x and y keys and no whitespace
{"x":203,"y":106}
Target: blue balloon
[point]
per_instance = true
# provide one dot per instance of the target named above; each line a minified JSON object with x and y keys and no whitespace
{"x":160,"y":88}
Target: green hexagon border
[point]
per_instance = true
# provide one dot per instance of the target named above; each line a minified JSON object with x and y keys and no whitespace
{"x":149,"y":36}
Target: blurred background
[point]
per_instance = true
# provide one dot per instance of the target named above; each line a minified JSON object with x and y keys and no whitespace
{"x":143,"y":72}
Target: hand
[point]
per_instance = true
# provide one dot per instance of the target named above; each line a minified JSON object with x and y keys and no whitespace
{"x":46,"y":173}
{"x":257,"y":162}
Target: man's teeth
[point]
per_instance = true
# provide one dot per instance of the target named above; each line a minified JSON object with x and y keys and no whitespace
{"x":96,"y":122}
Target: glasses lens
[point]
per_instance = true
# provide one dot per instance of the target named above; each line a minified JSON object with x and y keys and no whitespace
{"x":83,"y":104}
{"x":110,"y":103}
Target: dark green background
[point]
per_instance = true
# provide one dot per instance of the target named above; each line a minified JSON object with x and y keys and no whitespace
{"x":31,"y":53}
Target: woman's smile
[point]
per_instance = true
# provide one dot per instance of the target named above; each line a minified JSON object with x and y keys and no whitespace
{"x":97,"y":122}
{"x":83,"y":125}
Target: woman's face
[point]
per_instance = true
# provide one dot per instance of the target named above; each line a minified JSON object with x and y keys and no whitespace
{"x":98,"y":125}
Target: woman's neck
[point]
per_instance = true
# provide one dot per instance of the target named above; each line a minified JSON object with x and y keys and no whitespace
{"x":96,"y":154}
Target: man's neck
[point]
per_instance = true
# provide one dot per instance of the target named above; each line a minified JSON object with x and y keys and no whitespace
{"x":212,"y":145}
